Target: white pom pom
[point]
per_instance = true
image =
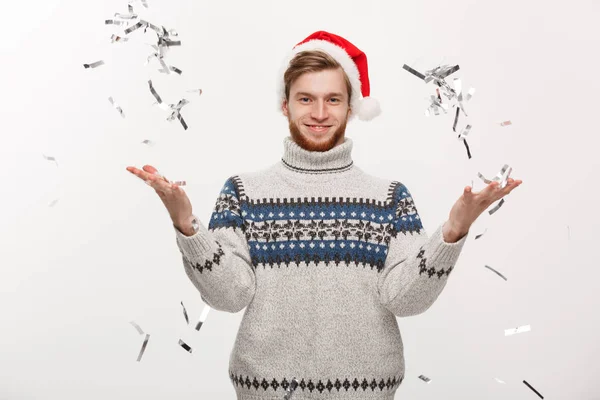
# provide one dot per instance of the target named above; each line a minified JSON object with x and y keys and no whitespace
{"x":369,"y":109}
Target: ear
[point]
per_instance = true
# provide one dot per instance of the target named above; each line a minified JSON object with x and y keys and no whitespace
{"x":284,"y":108}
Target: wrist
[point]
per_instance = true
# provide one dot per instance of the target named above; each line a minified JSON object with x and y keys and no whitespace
{"x":452,"y":234}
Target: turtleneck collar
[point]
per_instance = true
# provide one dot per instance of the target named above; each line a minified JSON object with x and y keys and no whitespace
{"x":337,"y":159}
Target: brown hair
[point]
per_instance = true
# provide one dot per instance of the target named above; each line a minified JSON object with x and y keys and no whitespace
{"x":312,"y":61}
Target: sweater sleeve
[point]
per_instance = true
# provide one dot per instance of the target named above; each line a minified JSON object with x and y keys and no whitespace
{"x":217,"y":259}
{"x":417,"y":266}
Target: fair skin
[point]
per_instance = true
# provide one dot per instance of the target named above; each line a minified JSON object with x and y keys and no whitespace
{"x":321,"y":98}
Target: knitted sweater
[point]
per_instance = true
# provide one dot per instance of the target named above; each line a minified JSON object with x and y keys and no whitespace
{"x":324,"y":257}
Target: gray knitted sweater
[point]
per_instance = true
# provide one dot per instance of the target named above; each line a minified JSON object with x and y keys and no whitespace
{"x":323,"y":257}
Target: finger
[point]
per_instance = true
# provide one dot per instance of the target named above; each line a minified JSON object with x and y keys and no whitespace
{"x":150,"y":169}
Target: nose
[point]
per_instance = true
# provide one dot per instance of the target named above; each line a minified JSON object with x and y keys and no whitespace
{"x":319,"y":110}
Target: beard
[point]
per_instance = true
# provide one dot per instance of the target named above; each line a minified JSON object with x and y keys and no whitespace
{"x":307,"y":143}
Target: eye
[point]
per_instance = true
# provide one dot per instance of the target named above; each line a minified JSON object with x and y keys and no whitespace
{"x":303,"y":98}
{"x":335,"y":99}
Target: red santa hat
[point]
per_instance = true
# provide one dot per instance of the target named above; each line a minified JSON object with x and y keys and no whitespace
{"x":352,"y":60}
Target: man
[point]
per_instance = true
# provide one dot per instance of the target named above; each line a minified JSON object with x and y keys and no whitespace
{"x":323,"y":256}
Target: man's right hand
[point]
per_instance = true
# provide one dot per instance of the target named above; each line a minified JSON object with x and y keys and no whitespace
{"x":172,"y":195}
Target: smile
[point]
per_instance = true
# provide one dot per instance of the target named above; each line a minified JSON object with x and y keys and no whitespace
{"x":318,"y":128}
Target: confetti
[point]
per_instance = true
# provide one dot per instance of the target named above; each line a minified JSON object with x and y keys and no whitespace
{"x":185,"y":346}
{"x":143,"y":349}
{"x":148,"y":142}
{"x":185,"y":314}
{"x":291,"y":389}
{"x":501,"y":176}
{"x":462,"y":136}
{"x":500,"y":381}
{"x":497,"y":207}
{"x":505,"y":123}
{"x":424,"y":378}
{"x":50,"y":158}
{"x":199,"y":91}
{"x":480,"y":235}
{"x":94,"y":64}
{"x":497,"y":273}
{"x":514,"y":331}
{"x":116,"y":106}
{"x":137,"y":327}
{"x":535,"y":391}
{"x":113,"y":22}
{"x":53,"y":203}
{"x":414,"y":72}
{"x":455,"y":119}
{"x":202,"y":317}
{"x":115,"y":38}
{"x":175,"y":109}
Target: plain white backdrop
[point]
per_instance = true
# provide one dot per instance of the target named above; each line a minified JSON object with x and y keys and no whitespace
{"x":73,"y":275}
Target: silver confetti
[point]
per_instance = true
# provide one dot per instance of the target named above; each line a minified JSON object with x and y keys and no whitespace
{"x":116,"y":106}
{"x":50,"y":158}
{"x":501,"y":176}
{"x":114,"y":22}
{"x":505,"y":123}
{"x":291,"y":389}
{"x":514,"y":331}
{"x":424,"y":378}
{"x":137,"y":327}
{"x":497,"y":273}
{"x":143,"y":349}
{"x":53,"y":203}
{"x":185,"y":346}
{"x":499,"y":381}
{"x":148,"y":142}
{"x":480,"y":235}
{"x":199,"y":91}
{"x":535,"y":391}
{"x":94,"y":64}
{"x":497,"y":207}
{"x":185,"y":314}
{"x":202,"y":317}
{"x":175,"y":109}
{"x":115,"y":38}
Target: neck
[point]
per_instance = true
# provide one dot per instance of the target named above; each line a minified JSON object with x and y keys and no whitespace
{"x":335,"y":160}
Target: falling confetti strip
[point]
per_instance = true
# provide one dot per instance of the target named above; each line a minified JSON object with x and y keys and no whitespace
{"x":514,"y":331}
{"x":175,"y":109}
{"x":148,"y":142}
{"x":94,"y":64}
{"x":500,"y":381}
{"x":50,"y":158}
{"x":535,"y":391}
{"x":497,"y":273}
{"x":480,"y":235}
{"x":185,"y":346}
{"x":497,"y":207}
{"x":424,"y":378}
{"x":185,"y":314}
{"x":116,"y":106}
{"x":505,"y":123}
{"x":202,"y":317}
{"x":141,"y":332}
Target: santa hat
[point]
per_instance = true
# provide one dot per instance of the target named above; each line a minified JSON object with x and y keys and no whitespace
{"x":352,"y":60}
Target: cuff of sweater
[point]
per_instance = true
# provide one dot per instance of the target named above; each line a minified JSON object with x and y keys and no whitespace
{"x":196,"y":245}
{"x":444,"y":252}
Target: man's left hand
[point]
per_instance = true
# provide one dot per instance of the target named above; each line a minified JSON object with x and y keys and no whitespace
{"x":470,"y":206}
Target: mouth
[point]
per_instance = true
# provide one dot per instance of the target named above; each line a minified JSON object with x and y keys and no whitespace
{"x":318,"y":128}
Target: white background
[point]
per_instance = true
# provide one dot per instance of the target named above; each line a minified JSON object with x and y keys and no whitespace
{"x":73,"y":275}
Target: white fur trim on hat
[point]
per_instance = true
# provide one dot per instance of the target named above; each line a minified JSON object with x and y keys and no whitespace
{"x":340,"y":55}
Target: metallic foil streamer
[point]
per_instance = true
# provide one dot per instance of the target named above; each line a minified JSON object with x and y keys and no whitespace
{"x":535,"y":391}
{"x":514,"y":331}
{"x":153,"y":91}
{"x":501,"y":176}
{"x":496,"y":272}
{"x":497,"y":207}
{"x":480,"y":235}
{"x":414,"y":72}
{"x":148,"y":142}
{"x":185,"y":346}
{"x":116,"y":106}
{"x":126,"y":16}
{"x":50,"y":158}
{"x":175,"y":69}
{"x":116,"y":38}
{"x":505,"y":123}
{"x":94,"y":64}
{"x":462,"y":136}
{"x":291,"y":389}
{"x":424,"y":378}
{"x":455,"y":119}
{"x":114,"y":22}
{"x":135,"y":27}
{"x":500,"y":381}
{"x":143,"y":349}
{"x":185,"y":314}
{"x":202,"y":317}
{"x":199,"y":91}
{"x":137,"y":327}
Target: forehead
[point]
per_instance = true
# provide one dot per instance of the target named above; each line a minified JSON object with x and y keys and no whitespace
{"x":320,"y":83}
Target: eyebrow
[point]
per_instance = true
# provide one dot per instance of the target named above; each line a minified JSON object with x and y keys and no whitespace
{"x":328,"y":94}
